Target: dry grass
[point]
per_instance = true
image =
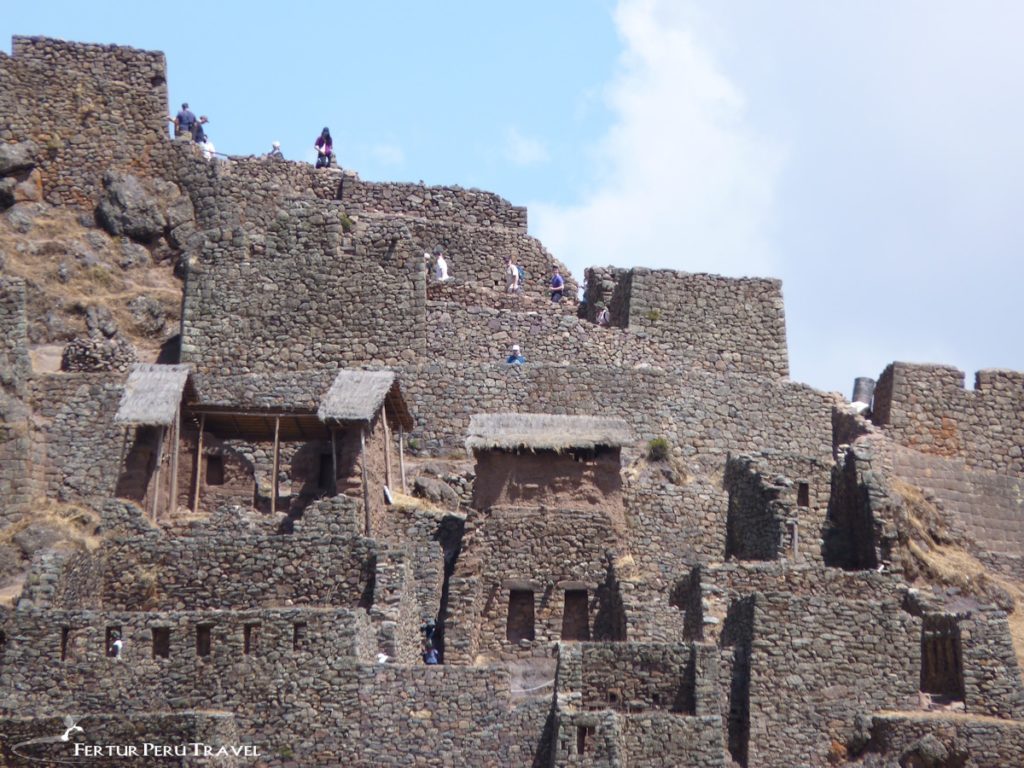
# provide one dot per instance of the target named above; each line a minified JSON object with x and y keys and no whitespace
{"x":403,"y":502}
{"x":78,"y":525}
{"x":54,"y":238}
{"x":937,"y":557}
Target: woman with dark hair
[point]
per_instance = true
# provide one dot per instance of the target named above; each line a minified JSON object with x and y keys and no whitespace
{"x":324,"y":149}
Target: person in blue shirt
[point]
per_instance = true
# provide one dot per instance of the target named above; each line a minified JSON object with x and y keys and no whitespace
{"x":184,"y":121}
{"x":515,"y":358}
{"x":557,"y":285}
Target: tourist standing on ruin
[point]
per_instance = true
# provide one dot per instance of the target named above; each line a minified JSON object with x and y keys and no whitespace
{"x":557,"y":285}
{"x":516,"y":357}
{"x":324,"y":149}
{"x":441,"y":267}
{"x":511,"y":275}
{"x":184,"y":121}
{"x":603,"y":318}
{"x":275,"y":151}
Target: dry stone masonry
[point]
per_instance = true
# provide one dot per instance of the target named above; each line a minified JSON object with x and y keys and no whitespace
{"x":211,"y":557}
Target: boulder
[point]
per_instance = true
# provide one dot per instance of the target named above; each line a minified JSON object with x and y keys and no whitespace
{"x":148,"y":315}
{"x":30,"y":190}
{"x":16,"y":157}
{"x":435,"y":491}
{"x":128,"y":208}
{"x":36,"y":537}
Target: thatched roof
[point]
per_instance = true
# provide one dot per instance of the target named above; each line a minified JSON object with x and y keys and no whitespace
{"x":152,"y":394}
{"x":359,"y":395}
{"x":545,"y":432}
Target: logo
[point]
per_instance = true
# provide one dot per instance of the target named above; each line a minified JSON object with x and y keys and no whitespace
{"x":37,"y":749}
{"x":70,"y":747}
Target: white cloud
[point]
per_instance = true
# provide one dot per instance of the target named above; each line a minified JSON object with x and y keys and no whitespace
{"x":388,"y":154}
{"x":522,"y":150}
{"x":679,"y":179}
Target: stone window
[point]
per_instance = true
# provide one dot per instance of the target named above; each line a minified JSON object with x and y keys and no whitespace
{"x":251,"y":638}
{"x":299,"y":636}
{"x":803,"y":495}
{"x":204,"y":639}
{"x":161,"y":642}
{"x":584,"y":739}
{"x":325,"y":479}
{"x":942,"y":672}
{"x":575,"y":618}
{"x":113,"y":638}
{"x":520,"y":616}
{"x":65,"y":639}
{"x":214,"y":470}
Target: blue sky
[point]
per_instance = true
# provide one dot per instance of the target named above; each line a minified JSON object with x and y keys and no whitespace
{"x":868,"y":153}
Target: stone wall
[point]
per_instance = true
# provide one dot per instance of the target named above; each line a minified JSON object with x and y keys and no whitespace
{"x":803,"y":699}
{"x":777,"y":507}
{"x":544,"y":552}
{"x":162,"y":573}
{"x":471,"y":207}
{"x":700,"y":414}
{"x":77,"y":445}
{"x":992,"y":677}
{"x":965,"y":740}
{"x":476,"y":254}
{"x":989,"y":505}
{"x":15,"y":427}
{"x":926,"y":407}
{"x":299,"y":298}
{"x":105,"y":91}
{"x":707,"y":321}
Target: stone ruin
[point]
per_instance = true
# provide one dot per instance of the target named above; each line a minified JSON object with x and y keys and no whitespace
{"x":665,"y":552}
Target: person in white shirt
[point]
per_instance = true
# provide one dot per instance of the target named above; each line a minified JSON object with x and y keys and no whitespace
{"x":441,"y":267}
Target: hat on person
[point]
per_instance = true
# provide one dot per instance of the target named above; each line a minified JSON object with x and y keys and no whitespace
{"x":276,"y":145}
{"x":515,"y":347}
{"x":184,"y":105}
{"x":203,"y":119}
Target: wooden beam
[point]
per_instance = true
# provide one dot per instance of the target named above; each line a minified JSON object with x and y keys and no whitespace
{"x":401,"y":454}
{"x":174,"y":459}
{"x":334,"y":461}
{"x":156,"y":480}
{"x":387,"y":446}
{"x":199,"y":463}
{"x":366,"y":482}
{"x":277,"y":451}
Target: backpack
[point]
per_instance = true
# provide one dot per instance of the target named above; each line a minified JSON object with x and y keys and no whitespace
{"x":522,"y":273}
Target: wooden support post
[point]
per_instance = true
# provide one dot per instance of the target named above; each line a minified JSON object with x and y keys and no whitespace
{"x":401,"y":455}
{"x":366,"y":482}
{"x":122,"y":467}
{"x":199,"y":463}
{"x":387,"y":447}
{"x":334,"y":461}
{"x":277,"y":449}
{"x":174,"y":460}
{"x":156,"y":480}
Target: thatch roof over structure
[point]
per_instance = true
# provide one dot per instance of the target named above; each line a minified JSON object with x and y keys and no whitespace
{"x":545,"y":432}
{"x":358,"y":395}
{"x":152,"y":395}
